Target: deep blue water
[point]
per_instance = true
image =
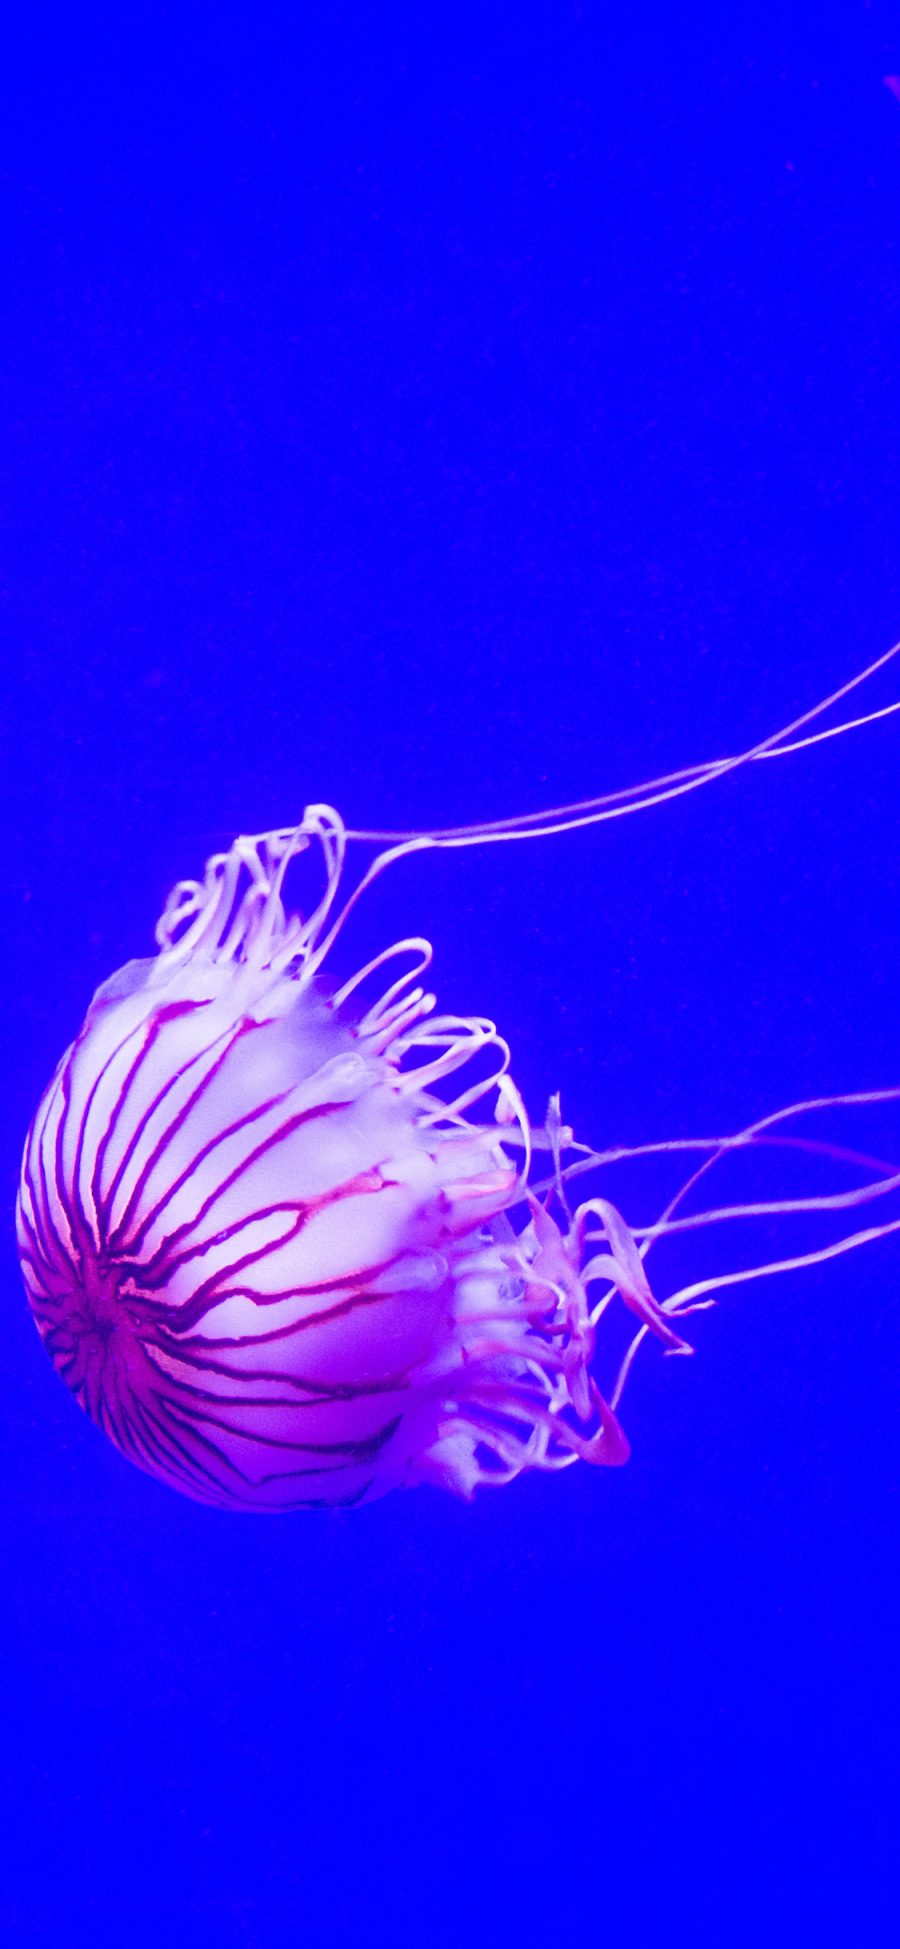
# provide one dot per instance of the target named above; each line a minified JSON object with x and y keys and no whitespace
{"x":446,"y":418}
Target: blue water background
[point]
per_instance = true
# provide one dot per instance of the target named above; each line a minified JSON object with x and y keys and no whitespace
{"x":446,"y":416}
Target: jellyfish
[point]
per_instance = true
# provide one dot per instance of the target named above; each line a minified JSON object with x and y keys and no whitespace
{"x":288,"y":1233}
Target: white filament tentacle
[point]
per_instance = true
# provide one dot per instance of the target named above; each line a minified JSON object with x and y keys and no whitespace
{"x":636,"y":798}
{"x":414,"y":944}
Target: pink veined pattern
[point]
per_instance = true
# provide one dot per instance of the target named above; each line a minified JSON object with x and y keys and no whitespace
{"x":269,"y":1261}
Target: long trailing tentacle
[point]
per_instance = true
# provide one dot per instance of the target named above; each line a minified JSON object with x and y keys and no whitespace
{"x":324,"y":824}
{"x":213,"y":914}
{"x":637,"y":798}
{"x":698,"y":1295}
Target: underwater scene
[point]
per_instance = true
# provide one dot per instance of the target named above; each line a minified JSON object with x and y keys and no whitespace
{"x":451,"y":1143}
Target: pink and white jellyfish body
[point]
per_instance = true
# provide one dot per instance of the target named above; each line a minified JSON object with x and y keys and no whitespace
{"x":285,"y":1246}
{"x":267,"y":1259}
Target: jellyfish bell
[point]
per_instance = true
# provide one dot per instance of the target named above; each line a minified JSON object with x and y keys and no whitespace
{"x":293,"y":1245}
{"x":267,"y":1258}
